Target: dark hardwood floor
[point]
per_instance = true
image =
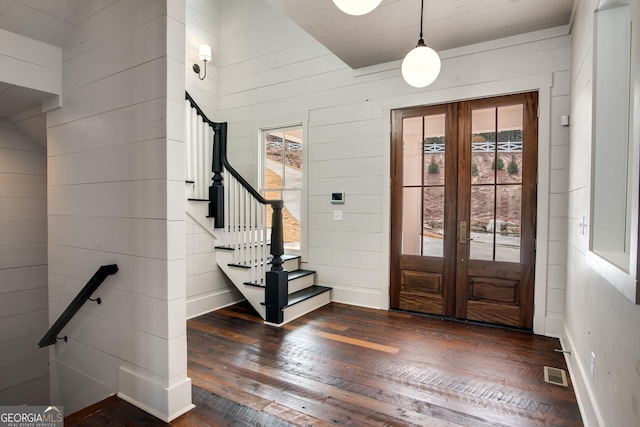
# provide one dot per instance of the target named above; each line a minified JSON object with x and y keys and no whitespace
{"x":345,"y":365}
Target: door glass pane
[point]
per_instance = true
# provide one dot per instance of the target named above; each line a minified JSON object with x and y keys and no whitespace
{"x":433,"y":223}
{"x":510,"y":143}
{"x":482,"y":222}
{"x":423,"y":181}
{"x":412,"y":151}
{"x":411,"y":220}
{"x":496,"y":159}
{"x":508,"y":222}
{"x":434,"y":174}
{"x":483,"y":146}
{"x":434,"y":147}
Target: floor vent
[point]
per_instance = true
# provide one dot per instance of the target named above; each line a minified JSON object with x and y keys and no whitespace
{"x":555,"y":376}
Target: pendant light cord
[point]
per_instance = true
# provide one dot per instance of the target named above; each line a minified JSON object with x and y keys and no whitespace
{"x":421,"y":17}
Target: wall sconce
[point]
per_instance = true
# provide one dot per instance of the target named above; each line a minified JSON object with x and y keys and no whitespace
{"x":204,"y":53}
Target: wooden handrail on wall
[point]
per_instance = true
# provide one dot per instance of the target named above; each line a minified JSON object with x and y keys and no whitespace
{"x":100,"y":275}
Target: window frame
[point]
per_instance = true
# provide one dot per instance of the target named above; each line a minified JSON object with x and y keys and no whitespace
{"x":618,"y":265}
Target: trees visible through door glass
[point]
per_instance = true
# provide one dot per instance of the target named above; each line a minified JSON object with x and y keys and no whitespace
{"x":496,"y":183}
{"x":423,"y":182}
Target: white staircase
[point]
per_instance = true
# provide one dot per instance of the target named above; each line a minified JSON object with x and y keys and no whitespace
{"x":304,"y":295}
{"x":243,"y":251}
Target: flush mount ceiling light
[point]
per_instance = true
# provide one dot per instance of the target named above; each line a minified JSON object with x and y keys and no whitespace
{"x":356,"y":7}
{"x":421,"y":66}
{"x":204,"y":53}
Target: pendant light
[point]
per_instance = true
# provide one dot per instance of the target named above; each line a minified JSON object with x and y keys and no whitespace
{"x":356,"y":7}
{"x":421,"y":66}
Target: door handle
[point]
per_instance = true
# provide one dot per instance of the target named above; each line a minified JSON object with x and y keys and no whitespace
{"x":463,"y":233}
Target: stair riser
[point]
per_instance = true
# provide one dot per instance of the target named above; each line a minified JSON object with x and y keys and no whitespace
{"x":301,"y":283}
{"x":292,"y":264}
{"x":306,"y":306}
{"x":188,"y":190}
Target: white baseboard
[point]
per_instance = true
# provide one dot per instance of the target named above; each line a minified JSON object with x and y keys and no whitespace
{"x":197,"y":306}
{"x":553,"y":326}
{"x":355,"y":297}
{"x":165,"y":403}
{"x":591,"y":416}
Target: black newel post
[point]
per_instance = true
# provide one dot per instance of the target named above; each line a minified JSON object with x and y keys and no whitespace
{"x":216,"y":190}
{"x":276,"y":292}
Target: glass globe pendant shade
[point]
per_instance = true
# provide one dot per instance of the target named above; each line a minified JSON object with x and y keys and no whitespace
{"x":356,"y":7}
{"x":421,"y":66}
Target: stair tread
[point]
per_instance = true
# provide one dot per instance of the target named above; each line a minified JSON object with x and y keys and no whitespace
{"x":239,"y":265}
{"x":295,"y":274}
{"x":285,"y":257}
{"x":257,"y":285}
{"x":292,"y":275}
{"x":305,"y":294}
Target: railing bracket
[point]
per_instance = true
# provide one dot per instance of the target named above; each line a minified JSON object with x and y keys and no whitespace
{"x":98,"y":300}
{"x":64,"y":338}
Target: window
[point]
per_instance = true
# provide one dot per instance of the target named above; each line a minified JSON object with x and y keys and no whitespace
{"x":283,"y":175}
{"x":614,"y":187}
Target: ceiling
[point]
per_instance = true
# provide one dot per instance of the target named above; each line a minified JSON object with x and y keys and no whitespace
{"x":48,"y":21}
{"x":16,"y":99}
{"x":384,"y":35}
{"x":392,"y":29}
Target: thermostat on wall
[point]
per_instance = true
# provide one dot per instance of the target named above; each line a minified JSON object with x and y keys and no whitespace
{"x":337,"y":198}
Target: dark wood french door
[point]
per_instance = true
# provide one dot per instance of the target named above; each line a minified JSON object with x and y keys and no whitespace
{"x":463,"y":200}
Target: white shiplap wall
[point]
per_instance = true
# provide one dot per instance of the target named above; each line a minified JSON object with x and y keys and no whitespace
{"x":598,"y":317}
{"x":207,"y":287}
{"x":116,"y":182}
{"x":203,"y":27}
{"x":271,"y":70}
{"x":23,"y":269}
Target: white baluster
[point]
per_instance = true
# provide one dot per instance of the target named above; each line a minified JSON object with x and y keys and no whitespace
{"x":227,"y":220}
{"x":263,"y":232}
{"x":236,"y":217}
{"x":252,"y":247}
{"x":241,"y":230}
{"x":204,"y":182}
{"x":187,"y":166}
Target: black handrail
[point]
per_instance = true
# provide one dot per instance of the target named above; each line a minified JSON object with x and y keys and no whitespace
{"x":220,"y":129}
{"x":52,"y":334}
